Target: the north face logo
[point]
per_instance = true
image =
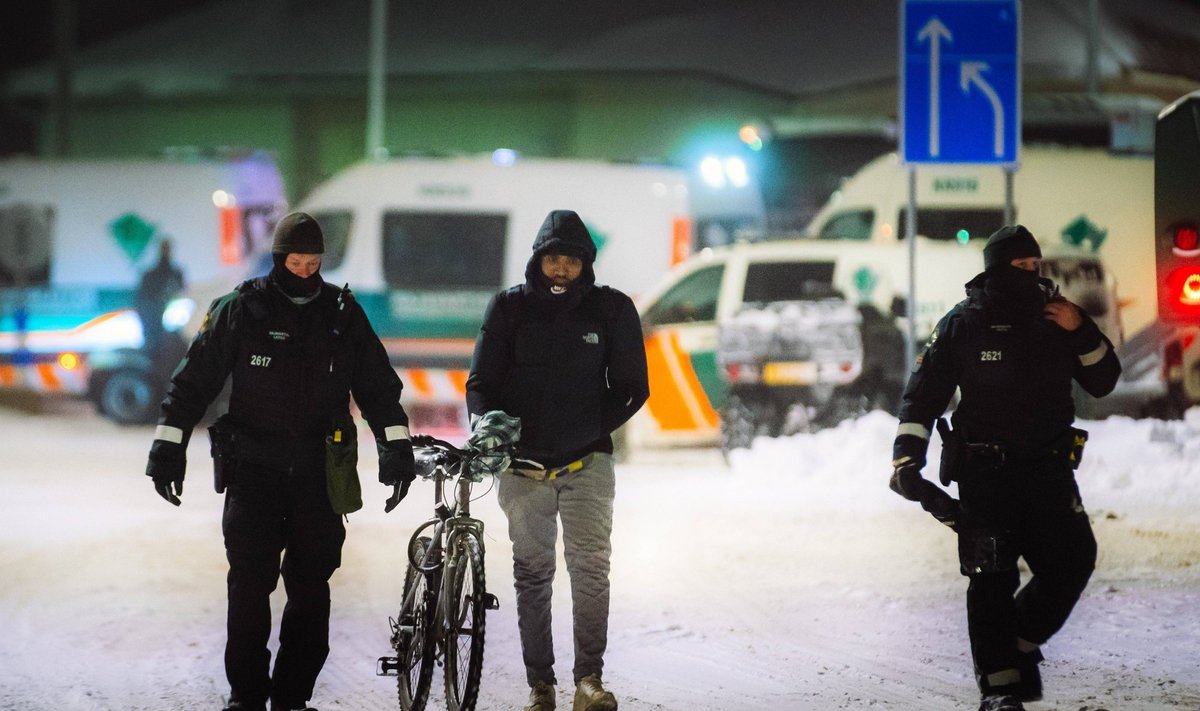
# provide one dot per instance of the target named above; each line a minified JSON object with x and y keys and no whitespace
{"x":593,"y":338}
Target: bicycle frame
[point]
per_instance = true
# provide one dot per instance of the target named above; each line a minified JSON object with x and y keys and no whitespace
{"x":453,"y":536}
{"x":448,"y":524}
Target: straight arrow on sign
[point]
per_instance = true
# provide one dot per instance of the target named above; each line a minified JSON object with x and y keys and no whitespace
{"x":933,"y":32}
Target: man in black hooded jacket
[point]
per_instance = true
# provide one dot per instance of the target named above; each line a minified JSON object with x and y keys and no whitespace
{"x":1012,"y":348}
{"x":566,"y":356}
{"x":295,"y":348}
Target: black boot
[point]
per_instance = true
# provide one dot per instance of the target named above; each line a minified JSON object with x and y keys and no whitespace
{"x":1001,"y":702}
{"x":1031,"y":677}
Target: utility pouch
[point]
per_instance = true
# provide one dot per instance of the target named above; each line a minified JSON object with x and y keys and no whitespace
{"x":1074,"y":452}
{"x":341,"y":466}
{"x":954,"y":453}
{"x":222,"y":441}
{"x":985,"y":551}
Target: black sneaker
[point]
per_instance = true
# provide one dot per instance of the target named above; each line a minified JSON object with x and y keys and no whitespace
{"x":1001,"y":702}
{"x":241,"y":706}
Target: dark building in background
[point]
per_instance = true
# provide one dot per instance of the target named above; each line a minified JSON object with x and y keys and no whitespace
{"x":661,"y":80}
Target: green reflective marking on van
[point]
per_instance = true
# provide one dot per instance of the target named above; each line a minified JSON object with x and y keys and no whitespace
{"x":865,"y":282}
{"x":598,"y":238}
{"x":132,"y":233}
{"x":399,"y":314}
{"x":1081,"y":230}
{"x":704,"y":363}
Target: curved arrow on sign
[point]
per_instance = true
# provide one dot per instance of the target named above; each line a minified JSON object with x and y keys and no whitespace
{"x":971,"y":73}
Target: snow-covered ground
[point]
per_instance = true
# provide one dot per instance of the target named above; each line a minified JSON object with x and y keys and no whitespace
{"x":790,"y":580}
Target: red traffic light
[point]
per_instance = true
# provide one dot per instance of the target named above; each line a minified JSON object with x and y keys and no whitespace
{"x":1183,"y":291}
{"x":1186,"y":241}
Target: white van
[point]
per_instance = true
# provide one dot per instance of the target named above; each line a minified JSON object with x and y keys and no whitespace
{"x":1091,"y":210}
{"x":425,"y":243}
{"x":76,"y":235}
{"x":683,"y":314}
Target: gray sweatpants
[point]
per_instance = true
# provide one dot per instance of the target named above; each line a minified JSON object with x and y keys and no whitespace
{"x":584,"y":500}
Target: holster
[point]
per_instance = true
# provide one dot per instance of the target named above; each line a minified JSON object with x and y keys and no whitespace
{"x":953,"y":452}
{"x":223,"y":447}
{"x":959,"y":455}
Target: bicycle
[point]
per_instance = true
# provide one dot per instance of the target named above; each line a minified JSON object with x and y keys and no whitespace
{"x":442,"y":613}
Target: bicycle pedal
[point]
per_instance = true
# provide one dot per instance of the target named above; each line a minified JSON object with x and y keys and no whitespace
{"x":387,"y":666}
{"x":490,"y":601}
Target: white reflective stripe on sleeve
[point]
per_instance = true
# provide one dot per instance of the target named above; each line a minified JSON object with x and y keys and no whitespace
{"x":168,"y":434}
{"x":395,"y":432}
{"x":1093,"y":357}
{"x":914,"y":429}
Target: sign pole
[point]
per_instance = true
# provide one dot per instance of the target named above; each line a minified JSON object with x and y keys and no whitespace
{"x":910,"y":229}
{"x":1010,"y":212}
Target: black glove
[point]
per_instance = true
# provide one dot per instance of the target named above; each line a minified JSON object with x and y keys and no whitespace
{"x":907,"y":481}
{"x":942,"y":506}
{"x":398,"y":494}
{"x":167,"y":475}
{"x":396,"y":465}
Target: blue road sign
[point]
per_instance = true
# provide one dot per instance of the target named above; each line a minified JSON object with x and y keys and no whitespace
{"x":960,"y":95}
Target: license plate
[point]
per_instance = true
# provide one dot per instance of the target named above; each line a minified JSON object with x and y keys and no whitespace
{"x":796,"y":373}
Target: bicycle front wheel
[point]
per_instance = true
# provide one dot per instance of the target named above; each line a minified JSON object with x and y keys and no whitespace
{"x":411,"y":635}
{"x":464,"y":623}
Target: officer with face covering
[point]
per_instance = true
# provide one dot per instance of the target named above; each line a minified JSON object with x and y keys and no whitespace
{"x":295,"y":348}
{"x":1012,"y":349}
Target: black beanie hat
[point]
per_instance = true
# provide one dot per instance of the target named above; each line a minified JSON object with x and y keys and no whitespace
{"x":1008,"y":243}
{"x":298,"y":233}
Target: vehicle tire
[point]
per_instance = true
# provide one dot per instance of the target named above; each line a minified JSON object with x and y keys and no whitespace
{"x":127,"y":397}
{"x":411,"y":635}
{"x":739,"y":424}
{"x":465,"y":623}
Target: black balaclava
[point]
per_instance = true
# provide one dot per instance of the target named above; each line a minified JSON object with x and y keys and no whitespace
{"x":1020,"y":286}
{"x":562,"y":232}
{"x":297,"y":233}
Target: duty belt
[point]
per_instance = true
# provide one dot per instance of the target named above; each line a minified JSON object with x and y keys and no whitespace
{"x":552,"y":473}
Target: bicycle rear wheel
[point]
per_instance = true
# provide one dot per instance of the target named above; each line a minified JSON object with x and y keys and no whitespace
{"x":465,"y":623}
{"x":411,"y":635}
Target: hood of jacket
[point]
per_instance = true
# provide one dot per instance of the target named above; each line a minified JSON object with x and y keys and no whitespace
{"x":562,"y":232}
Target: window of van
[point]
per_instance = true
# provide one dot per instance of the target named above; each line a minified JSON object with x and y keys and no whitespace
{"x":693,"y":299}
{"x":767,"y":282}
{"x":853,"y":224}
{"x":335,"y":225}
{"x":426,"y":250}
{"x":943,"y":223}
{"x":26,"y":239}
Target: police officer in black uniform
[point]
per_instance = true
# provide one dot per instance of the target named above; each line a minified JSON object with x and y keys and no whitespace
{"x":1013,"y":348}
{"x":296,"y":348}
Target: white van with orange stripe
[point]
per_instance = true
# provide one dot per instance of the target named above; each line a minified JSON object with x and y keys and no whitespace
{"x":76,"y":235}
{"x":425,"y":243}
{"x":681,"y":316}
